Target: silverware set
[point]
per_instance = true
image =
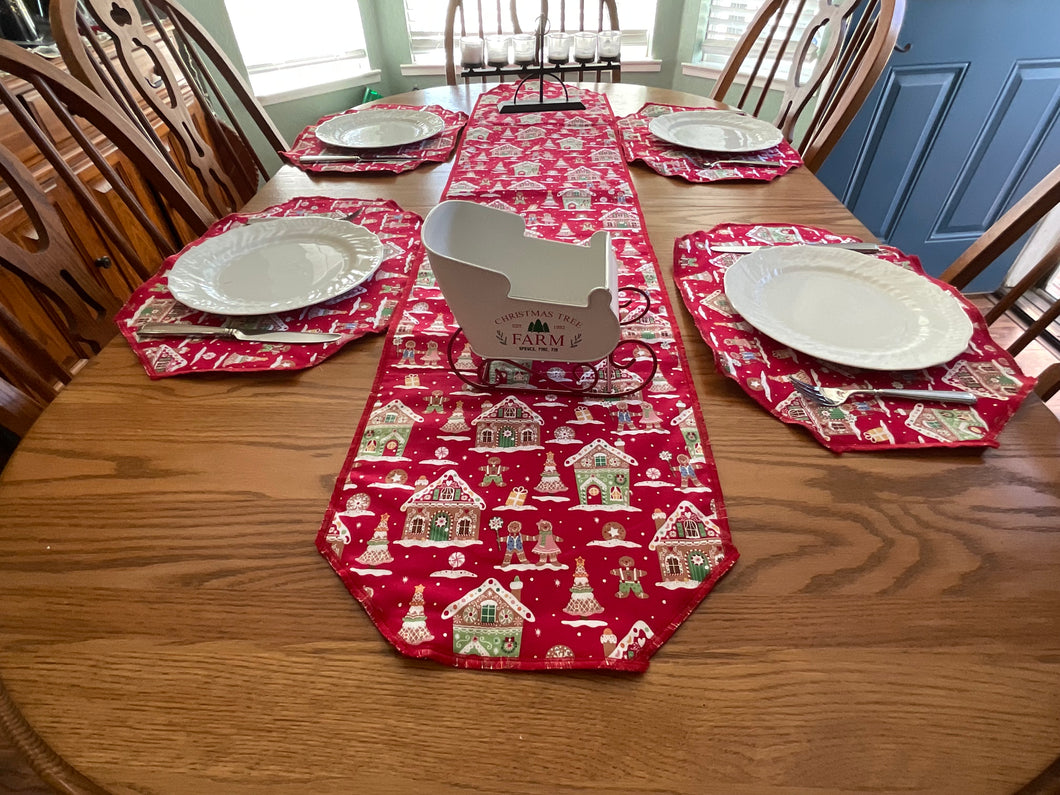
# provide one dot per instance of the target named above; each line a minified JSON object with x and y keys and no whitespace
{"x":832,"y":396}
{"x":277,"y":337}
{"x":741,"y":248}
{"x":755,"y":163}
{"x":350,"y":158}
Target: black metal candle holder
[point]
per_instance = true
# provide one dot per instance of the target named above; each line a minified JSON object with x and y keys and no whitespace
{"x":539,"y":71}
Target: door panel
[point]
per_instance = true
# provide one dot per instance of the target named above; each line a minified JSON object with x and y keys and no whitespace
{"x":957,"y":129}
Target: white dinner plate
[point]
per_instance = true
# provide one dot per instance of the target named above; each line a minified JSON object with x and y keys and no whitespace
{"x":848,"y":308}
{"x":716,"y":131}
{"x":275,"y":265}
{"x":369,"y":129}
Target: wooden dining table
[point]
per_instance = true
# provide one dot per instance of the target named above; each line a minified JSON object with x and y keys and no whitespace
{"x":168,"y":626}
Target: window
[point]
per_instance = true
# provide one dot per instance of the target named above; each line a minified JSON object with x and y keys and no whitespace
{"x":488,"y":615}
{"x":527,"y":436}
{"x":599,"y":460}
{"x":282,"y":57}
{"x":724,"y":21}
{"x":426,"y":25}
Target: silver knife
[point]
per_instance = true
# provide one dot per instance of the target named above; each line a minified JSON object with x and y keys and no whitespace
{"x":736,"y":248}
{"x":192,"y":330}
{"x":354,"y":158}
{"x":754,"y":163}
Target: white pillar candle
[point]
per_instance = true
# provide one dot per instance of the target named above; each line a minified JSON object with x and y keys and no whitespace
{"x":524,"y":46}
{"x":557,"y":45}
{"x":610,"y":43}
{"x":585,"y":47}
{"x":497,"y":50}
{"x":471,"y":51}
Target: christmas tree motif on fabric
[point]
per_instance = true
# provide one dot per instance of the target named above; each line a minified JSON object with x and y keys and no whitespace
{"x":524,"y":529}
{"x":414,"y":625}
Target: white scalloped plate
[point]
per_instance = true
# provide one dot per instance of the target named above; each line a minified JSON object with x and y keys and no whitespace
{"x":274,"y":266}
{"x":370,"y":129}
{"x":716,"y":131}
{"x":848,"y":308}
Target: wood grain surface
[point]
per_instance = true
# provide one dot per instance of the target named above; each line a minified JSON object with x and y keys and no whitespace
{"x":892,"y":625}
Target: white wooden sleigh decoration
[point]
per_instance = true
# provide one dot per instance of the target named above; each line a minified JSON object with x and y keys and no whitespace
{"x":532,"y":313}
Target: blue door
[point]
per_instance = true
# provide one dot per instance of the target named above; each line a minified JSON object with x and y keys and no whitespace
{"x":959,"y":127}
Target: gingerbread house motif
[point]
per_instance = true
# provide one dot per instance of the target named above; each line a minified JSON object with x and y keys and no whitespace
{"x":527,"y":184}
{"x":718,"y":302}
{"x":488,"y":620}
{"x":829,"y":421}
{"x":686,"y":423}
{"x":505,"y":150}
{"x":462,"y":188}
{"x":650,"y":327}
{"x":577,"y":198}
{"x":500,"y":205}
{"x":387,"y":431}
{"x":946,"y":424}
{"x":578,"y":123}
{"x":571,"y":143}
{"x":986,"y":379}
{"x":602,"y":155}
{"x":445,"y":512}
{"x":477,"y":134}
{"x":601,"y":474}
{"x":620,"y":218}
{"x":509,"y":425}
{"x":507,"y":373}
{"x":689,"y":546}
{"x":528,"y":168}
{"x":530,"y":133}
{"x":583,"y":174}
{"x":631,"y":645}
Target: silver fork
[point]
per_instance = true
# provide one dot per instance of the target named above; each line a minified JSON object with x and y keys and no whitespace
{"x":831,"y":396}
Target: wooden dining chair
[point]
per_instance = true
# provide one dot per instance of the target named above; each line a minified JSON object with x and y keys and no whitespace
{"x":1022,"y":313}
{"x":85,"y":217}
{"x":490,"y":18}
{"x":168,"y":66}
{"x":818,"y":59}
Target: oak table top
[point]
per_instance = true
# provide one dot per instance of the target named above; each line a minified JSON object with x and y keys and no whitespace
{"x":167,"y":626}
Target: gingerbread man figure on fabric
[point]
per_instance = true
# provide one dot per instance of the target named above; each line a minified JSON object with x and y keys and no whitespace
{"x":629,"y":578}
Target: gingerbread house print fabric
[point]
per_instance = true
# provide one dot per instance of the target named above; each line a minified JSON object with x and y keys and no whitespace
{"x":508,"y":528}
{"x":763,"y":366}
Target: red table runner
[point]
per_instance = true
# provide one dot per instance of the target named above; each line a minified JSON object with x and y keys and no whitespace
{"x":531,"y":530}
{"x":693,"y":165}
{"x":762,"y":365}
{"x":364,"y":310}
{"x":433,"y":150}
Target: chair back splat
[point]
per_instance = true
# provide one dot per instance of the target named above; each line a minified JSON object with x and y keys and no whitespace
{"x":168,"y":65}
{"x":1024,"y":310}
{"x":819,"y":58}
{"x":481,"y":19}
{"x":90,"y":208}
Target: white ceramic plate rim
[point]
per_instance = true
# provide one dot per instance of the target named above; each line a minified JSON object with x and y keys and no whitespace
{"x":673,"y":127}
{"x":196,"y":279}
{"x":333,"y":131}
{"x":943,"y":327}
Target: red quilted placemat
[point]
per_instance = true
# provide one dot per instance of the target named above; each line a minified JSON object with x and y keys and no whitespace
{"x":489,"y":528}
{"x":694,"y":165}
{"x":762,"y":366}
{"x":364,"y":310}
{"x":433,"y":150}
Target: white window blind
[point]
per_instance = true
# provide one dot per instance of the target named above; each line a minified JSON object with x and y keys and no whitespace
{"x":268,"y":42}
{"x":726,"y":20}
{"x":426,"y":24}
